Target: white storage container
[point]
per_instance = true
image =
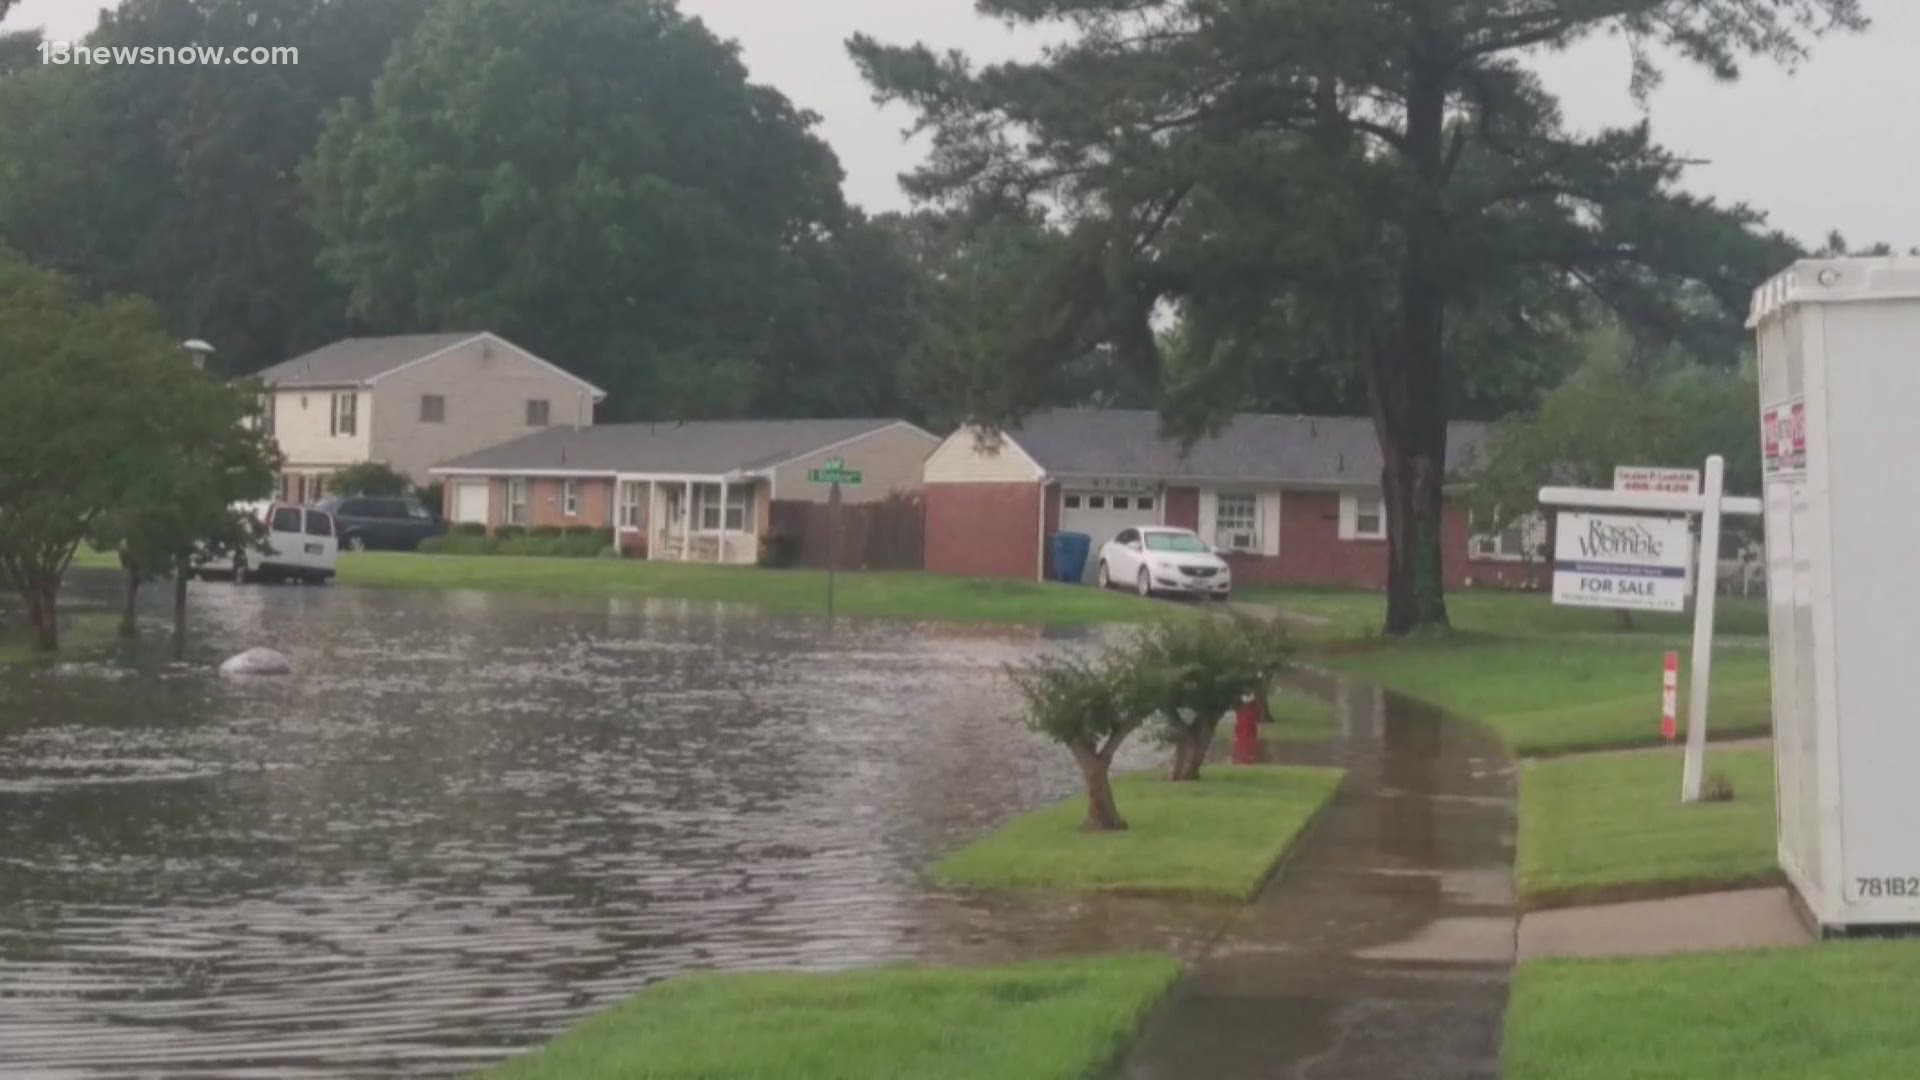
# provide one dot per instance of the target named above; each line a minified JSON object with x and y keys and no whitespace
{"x":1840,"y":425}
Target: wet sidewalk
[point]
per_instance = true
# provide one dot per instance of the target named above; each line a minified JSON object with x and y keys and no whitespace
{"x":1384,"y":947}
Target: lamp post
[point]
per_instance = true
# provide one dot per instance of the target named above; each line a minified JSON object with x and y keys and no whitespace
{"x":200,"y":350}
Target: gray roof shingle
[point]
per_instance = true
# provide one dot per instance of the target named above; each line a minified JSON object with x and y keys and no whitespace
{"x":357,"y":360}
{"x":700,"y":448}
{"x":1274,"y":449}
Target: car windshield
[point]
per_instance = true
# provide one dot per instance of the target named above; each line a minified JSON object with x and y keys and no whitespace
{"x":1180,"y":542}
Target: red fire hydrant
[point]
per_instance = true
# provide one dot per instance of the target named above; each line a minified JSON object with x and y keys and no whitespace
{"x":1246,"y":733}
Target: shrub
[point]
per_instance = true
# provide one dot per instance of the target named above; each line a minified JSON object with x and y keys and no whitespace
{"x":469,"y":528}
{"x":510,"y":532}
{"x":460,"y":544}
{"x":780,"y":551}
{"x":547,"y":531}
{"x":1091,"y":707}
{"x":371,"y":478}
{"x":1207,"y":667}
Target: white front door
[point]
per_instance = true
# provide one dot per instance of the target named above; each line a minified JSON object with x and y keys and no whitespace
{"x":470,"y":503}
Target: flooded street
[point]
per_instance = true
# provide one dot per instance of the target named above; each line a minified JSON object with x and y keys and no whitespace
{"x":469,"y":820}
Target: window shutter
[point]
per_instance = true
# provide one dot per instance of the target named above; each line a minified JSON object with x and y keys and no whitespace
{"x":1270,"y":523}
{"x":1209,"y":514}
{"x":1349,"y":515}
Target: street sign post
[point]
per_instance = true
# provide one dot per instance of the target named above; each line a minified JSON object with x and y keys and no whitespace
{"x":835,"y":475}
{"x":1710,"y":504}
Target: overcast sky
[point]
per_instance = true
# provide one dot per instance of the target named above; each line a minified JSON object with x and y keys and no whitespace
{"x":1835,"y":145}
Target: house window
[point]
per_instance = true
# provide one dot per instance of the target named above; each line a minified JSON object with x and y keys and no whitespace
{"x":516,"y":502}
{"x":1518,"y":542}
{"x":1072,"y":502}
{"x":633,"y":512}
{"x":1369,"y":517}
{"x":537,"y":412}
{"x":570,"y":498}
{"x":1143,"y":502}
{"x":433,"y":409}
{"x":346,"y":414}
{"x":739,"y":501}
{"x":1236,"y":524}
{"x":1096,"y":502}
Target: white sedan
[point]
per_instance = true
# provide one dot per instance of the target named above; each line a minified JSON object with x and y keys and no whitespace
{"x":1157,"y":560}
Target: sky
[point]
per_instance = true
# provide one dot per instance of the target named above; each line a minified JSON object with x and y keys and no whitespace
{"x":1832,"y":145}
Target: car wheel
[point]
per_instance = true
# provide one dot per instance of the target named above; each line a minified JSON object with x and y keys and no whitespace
{"x":1146,"y":584}
{"x":1106,"y":579}
{"x":356,"y":542}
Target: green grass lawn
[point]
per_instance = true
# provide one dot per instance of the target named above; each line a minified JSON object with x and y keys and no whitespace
{"x":81,"y":633}
{"x":903,"y":595}
{"x":1612,"y":827}
{"x":1298,"y":718}
{"x":1219,"y":837}
{"x":1352,"y":614}
{"x":1559,"y":695}
{"x":1836,"y":1012}
{"x":1055,"y":1021}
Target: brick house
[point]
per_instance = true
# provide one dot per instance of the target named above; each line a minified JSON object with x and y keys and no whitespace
{"x":410,"y":402}
{"x":701,"y":491}
{"x":1290,"y":500}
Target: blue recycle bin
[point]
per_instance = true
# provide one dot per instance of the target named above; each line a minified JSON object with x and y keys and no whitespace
{"x":1070,"y":552}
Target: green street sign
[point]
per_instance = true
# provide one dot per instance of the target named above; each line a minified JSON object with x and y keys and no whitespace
{"x":836,"y":473}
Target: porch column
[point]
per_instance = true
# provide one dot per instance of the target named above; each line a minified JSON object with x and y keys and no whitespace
{"x":721,"y":555}
{"x":686,"y":526}
{"x":653,"y":520}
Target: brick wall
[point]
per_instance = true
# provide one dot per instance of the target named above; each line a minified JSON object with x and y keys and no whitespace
{"x":1312,"y":553}
{"x":546,"y":504}
{"x":983,"y":530}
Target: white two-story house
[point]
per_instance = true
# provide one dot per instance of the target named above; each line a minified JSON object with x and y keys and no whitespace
{"x":411,"y":402}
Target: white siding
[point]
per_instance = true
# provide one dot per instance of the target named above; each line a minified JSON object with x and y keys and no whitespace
{"x":486,"y":385}
{"x":962,"y":459}
{"x":1270,"y":523}
{"x":303,"y":428}
{"x":892,"y":460}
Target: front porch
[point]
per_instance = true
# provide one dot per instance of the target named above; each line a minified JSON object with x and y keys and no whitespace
{"x":699,"y":519}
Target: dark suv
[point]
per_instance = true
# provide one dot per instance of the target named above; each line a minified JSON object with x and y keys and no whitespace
{"x":367,"y":521}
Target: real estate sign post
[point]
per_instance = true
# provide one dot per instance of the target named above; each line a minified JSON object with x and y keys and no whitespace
{"x":1613,"y":560}
{"x":834,"y":475}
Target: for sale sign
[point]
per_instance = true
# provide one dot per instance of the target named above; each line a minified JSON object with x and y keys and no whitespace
{"x":1656,"y":481}
{"x":1621,"y":561}
{"x":1783,"y":438}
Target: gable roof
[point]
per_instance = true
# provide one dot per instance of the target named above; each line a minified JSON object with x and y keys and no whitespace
{"x":1263,"y":448}
{"x":699,"y":448}
{"x":363,"y":361}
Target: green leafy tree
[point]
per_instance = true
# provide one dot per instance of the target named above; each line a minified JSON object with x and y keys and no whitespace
{"x":371,"y":478}
{"x":1384,"y":184}
{"x":596,"y":178}
{"x":1627,"y":405}
{"x":1208,"y":667}
{"x":181,"y":505}
{"x":77,"y":381}
{"x":1091,"y":707}
{"x":180,"y":182}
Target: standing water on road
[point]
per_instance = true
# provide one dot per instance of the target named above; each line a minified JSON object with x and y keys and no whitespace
{"x":468,"y":820}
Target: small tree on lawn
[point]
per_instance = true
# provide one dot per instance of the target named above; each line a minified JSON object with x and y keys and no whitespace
{"x":76,"y":416}
{"x":375,"y":478}
{"x":1208,"y":667}
{"x":1090,"y":707}
{"x":181,"y":505}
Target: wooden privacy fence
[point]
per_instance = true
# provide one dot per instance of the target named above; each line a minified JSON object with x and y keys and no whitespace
{"x":885,"y":535}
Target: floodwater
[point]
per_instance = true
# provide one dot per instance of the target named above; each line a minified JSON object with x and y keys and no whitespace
{"x":1384,"y":948}
{"x":469,"y":820}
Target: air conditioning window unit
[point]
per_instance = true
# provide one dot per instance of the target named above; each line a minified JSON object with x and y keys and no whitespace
{"x":1242,"y":541}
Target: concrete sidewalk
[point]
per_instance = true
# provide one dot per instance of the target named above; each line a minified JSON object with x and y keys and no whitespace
{"x":1708,"y":922}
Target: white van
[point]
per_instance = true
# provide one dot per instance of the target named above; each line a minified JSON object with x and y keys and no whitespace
{"x":301,"y":545}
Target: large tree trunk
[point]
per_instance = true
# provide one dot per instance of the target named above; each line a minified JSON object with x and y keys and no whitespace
{"x":1407,"y":374}
{"x":42,"y":617}
{"x":129,"y":623}
{"x":180,"y":579}
{"x":1103,"y":814}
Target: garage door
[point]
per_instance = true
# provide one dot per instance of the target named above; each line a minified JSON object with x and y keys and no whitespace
{"x":1103,"y":514}
{"x":470,"y":504}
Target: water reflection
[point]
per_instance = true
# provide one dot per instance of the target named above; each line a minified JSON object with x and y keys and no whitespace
{"x":470,"y":819}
